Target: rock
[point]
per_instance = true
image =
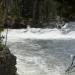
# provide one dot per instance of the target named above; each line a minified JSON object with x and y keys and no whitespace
{"x":7,"y":62}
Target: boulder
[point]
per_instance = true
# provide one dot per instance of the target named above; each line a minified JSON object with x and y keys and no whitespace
{"x":7,"y":62}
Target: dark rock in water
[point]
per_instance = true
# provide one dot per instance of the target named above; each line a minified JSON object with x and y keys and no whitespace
{"x":7,"y":62}
{"x":59,"y":27}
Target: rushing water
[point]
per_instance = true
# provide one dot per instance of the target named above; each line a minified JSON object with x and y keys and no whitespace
{"x":42,"y":51}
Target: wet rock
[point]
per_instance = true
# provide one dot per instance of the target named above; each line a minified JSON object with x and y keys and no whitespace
{"x":7,"y":62}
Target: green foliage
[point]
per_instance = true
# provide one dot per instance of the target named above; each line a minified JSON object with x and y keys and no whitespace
{"x":1,"y":22}
{"x":66,"y":8}
{"x":14,"y":11}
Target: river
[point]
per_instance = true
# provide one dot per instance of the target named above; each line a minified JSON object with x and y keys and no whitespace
{"x":42,"y":51}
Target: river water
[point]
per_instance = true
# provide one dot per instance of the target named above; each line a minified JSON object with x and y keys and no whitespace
{"x":42,"y":51}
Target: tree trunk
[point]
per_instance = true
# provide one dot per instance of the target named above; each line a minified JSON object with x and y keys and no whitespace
{"x":34,"y":11}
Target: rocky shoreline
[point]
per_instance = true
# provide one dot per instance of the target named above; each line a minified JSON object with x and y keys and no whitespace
{"x":7,"y":62}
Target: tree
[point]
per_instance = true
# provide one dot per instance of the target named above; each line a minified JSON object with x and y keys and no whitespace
{"x":66,"y":8}
{"x":26,"y":8}
{"x":1,"y":20}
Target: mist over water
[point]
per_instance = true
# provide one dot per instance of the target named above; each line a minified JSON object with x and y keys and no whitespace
{"x":42,"y":51}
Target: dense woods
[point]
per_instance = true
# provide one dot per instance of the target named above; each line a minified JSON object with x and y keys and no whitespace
{"x":36,"y":12}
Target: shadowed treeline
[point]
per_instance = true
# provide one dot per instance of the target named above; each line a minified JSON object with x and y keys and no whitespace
{"x":41,"y":12}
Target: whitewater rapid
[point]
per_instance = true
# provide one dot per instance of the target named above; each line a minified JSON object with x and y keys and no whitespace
{"x":44,"y":34}
{"x":41,"y":51}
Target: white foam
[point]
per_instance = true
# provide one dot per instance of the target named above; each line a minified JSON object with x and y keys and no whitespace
{"x":34,"y":33}
{"x":36,"y":66}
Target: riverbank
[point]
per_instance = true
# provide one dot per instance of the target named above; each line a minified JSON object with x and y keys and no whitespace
{"x":7,"y":62}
